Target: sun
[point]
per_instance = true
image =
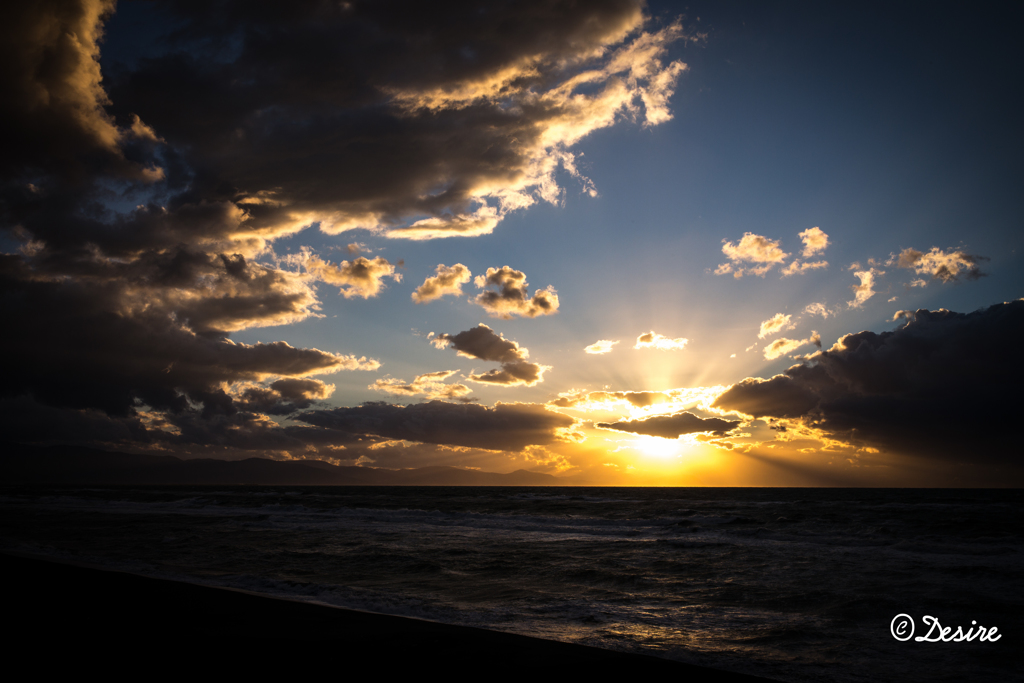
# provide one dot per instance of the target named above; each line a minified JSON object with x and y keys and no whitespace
{"x":659,"y":448}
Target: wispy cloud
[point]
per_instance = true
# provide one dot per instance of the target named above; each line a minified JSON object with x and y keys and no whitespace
{"x":780,"y":347}
{"x":431,"y":385}
{"x":601,"y":346}
{"x":777,"y":323}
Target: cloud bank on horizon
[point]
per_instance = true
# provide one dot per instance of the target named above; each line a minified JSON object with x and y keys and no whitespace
{"x":170,"y":202}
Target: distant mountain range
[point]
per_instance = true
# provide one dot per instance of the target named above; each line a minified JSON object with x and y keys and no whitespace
{"x":76,"y":465}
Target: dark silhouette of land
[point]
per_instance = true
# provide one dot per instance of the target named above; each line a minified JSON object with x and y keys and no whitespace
{"x":75,"y":465}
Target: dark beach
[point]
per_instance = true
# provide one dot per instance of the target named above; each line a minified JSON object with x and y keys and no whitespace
{"x":90,"y":618}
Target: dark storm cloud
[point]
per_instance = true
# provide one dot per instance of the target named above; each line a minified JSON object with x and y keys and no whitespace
{"x":52,"y":114}
{"x":673,"y":426}
{"x":368,"y":114}
{"x":481,"y":342}
{"x":82,"y":345}
{"x":284,"y":396}
{"x":944,"y":385}
{"x":506,"y":426}
{"x":144,"y":198}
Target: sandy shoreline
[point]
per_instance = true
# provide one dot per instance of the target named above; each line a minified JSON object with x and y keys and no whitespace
{"x":89,"y":616}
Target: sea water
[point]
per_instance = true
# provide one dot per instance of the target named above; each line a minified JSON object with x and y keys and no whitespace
{"x":790,"y":584}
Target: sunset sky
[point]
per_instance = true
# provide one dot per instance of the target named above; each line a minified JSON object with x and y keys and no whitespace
{"x":716,"y":243}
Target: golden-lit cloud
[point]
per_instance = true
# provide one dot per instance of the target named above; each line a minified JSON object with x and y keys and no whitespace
{"x":448,"y":280}
{"x":360,"y":277}
{"x":815,"y":241}
{"x":777,"y":323}
{"x":653,"y":340}
{"x":797,"y":267}
{"x":510,"y":296}
{"x":751,"y":249}
{"x":480,"y":222}
{"x":542,"y":459}
{"x":818,"y":309}
{"x":780,"y":347}
{"x":939,"y":265}
{"x":526,"y":105}
{"x":608,"y":400}
{"x":430,"y":385}
{"x":601,"y":346}
{"x":641,"y":404}
{"x":54,"y":96}
{"x":866,"y":289}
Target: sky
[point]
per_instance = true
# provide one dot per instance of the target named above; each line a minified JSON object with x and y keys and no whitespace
{"x":623,"y":243}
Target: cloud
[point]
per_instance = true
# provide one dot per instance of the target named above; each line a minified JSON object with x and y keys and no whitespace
{"x":513,"y":374}
{"x":430,"y":384}
{"x":448,"y":280}
{"x":751,"y":249}
{"x":147,"y":199}
{"x":128,"y":347}
{"x":360,"y":277}
{"x":866,"y":289}
{"x":673,"y":426}
{"x":482,"y":343}
{"x":798,"y":267}
{"x":587,"y":400}
{"x":777,"y":323}
{"x":653,"y":340}
{"x":945,"y":266}
{"x":338,"y":111}
{"x":53,"y":99}
{"x":511,"y":297}
{"x":283,"y":396}
{"x":601,"y":346}
{"x":479,"y":222}
{"x":506,"y":426}
{"x":818,"y":309}
{"x":815,"y":241}
{"x":942,"y":386}
{"x":780,"y":347}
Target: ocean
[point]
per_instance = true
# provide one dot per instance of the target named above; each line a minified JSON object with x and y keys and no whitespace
{"x":790,"y":584}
